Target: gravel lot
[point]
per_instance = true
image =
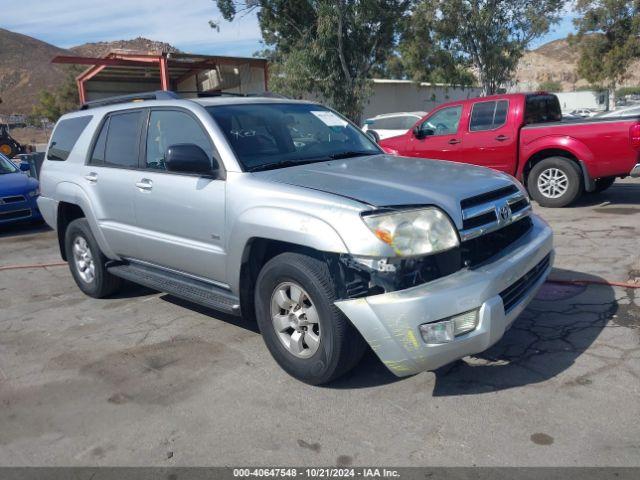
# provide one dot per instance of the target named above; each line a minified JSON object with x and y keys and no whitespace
{"x":147,"y":379}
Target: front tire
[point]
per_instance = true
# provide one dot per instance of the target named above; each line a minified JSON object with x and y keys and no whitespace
{"x":86,"y":262}
{"x":307,"y":335}
{"x":555,"y":182}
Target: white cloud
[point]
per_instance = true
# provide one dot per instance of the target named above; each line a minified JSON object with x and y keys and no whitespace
{"x":184,"y":24}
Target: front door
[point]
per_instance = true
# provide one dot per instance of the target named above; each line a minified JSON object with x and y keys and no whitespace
{"x":181,"y":216}
{"x":439,"y":136}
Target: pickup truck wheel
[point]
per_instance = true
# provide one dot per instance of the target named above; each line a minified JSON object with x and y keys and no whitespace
{"x":555,"y":182}
{"x":603,"y":183}
{"x":305,"y":332}
{"x":86,"y":261}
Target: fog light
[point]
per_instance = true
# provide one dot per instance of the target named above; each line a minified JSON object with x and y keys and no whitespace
{"x":446,"y":330}
{"x":438,"y":332}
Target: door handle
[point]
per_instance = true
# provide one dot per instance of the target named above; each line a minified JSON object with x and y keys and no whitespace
{"x":502,"y":138}
{"x":91,"y":177}
{"x":453,"y":141}
{"x":144,"y":184}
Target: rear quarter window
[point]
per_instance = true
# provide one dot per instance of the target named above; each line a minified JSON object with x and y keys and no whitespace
{"x":65,"y":136}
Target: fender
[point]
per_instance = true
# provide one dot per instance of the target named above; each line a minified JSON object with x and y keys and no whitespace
{"x":73,"y":193}
{"x":282,"y":224}
{"x":566,"y":143}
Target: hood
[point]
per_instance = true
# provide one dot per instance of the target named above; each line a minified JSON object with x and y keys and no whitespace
{"x":385,"y":180}
{"x":16,"y":184}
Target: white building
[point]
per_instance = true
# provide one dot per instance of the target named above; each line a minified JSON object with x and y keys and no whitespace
{"x":391,"y":96}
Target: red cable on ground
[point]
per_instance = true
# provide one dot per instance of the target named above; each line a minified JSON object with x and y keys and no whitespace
{"x":594,"y":282}
{"x":549,"y":280}
{"x":40,"y":265}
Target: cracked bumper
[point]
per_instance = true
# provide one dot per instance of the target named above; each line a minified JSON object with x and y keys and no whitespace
{"x":390,"y":322}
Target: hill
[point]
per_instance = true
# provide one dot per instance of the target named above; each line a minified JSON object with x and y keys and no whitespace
{"x":25,"y":69}
{"x":557,"y":61}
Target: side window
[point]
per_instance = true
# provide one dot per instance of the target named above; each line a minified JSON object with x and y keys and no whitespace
{"x":408,"y":122}
{"x":97,"y":156}
{"x":488,"y":115}
{"x":122,"y":143}
{"x":389,"y":123}
{"x":444,"y":122}
{"x":171,"y":127}
{"x":65,"y":137}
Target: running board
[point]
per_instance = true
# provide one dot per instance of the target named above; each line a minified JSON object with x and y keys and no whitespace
{"x":181,"y":286}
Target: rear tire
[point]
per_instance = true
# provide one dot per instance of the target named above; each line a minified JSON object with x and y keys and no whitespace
{"x":603,"y":183}
{"x":555,"y":182}
{"x":86,"y":262}
{"x":337,"y":346}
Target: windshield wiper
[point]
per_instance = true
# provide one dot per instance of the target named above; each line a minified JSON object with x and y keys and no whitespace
{"x":282,"y":164}
{"x":350,"y":154}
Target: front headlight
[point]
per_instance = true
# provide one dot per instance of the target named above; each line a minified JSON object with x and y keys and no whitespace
{"x":34,"y":193}
{"x":414,"y":232}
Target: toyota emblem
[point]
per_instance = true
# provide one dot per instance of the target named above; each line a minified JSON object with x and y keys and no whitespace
{"x":504,"y":213}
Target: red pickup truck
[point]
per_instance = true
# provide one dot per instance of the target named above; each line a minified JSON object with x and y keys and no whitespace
{"x":523,"y":135}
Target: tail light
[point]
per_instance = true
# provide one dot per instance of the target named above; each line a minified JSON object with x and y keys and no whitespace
{"x":634,"y":136}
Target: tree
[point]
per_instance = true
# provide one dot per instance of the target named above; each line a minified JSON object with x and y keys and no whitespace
{"x":608,"y":38}
{"x":550,"y":86}
{"x":64,"y":99}
{"x":328,"y":47}
{"x":489,"y":36}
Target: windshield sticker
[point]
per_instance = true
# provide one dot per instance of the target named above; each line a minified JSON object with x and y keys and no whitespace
{"x":330,"y":119}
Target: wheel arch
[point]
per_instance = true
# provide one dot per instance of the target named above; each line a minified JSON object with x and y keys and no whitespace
{"x":534,"y":159}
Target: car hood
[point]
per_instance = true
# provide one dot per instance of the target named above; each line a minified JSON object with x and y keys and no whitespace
{"x":16,"y":183}
{"x":386,"y":180}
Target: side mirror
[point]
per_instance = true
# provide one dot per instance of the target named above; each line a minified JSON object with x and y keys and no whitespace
{"x":421,"y":133}
{"x":373,"y":135}
{"x":189,"y":158}
{"x":25,"y":167}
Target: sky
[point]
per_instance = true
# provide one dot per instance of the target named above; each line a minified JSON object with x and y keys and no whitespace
{"x":183,"y":24}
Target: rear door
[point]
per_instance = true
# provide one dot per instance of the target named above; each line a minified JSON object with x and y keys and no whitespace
{"x":440,"y":137}
{"x":108,"y":178}
{"x":181,"y":216}
{"x":490,"y":139}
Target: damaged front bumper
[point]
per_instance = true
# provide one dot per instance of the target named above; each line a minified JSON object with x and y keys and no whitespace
{"x":390,"y":322}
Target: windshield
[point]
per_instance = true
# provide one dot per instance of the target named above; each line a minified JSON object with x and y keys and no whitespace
{"x":275,"y":135}
{"x":6,"y":165}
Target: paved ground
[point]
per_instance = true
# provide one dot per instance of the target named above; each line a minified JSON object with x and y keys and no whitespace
{"x":145,"y":379}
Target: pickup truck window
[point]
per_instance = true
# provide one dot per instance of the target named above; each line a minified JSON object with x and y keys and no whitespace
{"x":541,"y":109}
{"x":275,"y":135}
{"x":122,"y":143}
{"x":171,"y":127}
{"x":65,"y":137}
{"x":444,"y":122}
{"x":488,"y":115}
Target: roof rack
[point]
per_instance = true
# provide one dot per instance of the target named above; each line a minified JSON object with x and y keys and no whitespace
{"x":134,"y":97}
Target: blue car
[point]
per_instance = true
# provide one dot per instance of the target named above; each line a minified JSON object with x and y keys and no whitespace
{"x":18,"y":194}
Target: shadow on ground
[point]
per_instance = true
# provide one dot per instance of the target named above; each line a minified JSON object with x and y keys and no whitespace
{"x":557,"y":327}
{"x":23,"y":228}
{"x":617,"y":194}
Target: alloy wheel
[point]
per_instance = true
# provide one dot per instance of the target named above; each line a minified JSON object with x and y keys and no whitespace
{"x":553,"y":183}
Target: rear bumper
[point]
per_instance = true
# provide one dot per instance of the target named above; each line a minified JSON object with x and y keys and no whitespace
{"x":635,"y":171}
{"x":390,"y":322}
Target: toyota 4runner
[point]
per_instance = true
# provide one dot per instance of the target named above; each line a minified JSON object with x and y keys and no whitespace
{"x":285,"y":212}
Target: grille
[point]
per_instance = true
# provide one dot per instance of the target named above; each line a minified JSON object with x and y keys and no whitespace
{"x":480,"y":213}
{"x":480,"y":249}
{"x":512,"y":295}
{"x":13,"y":199}
{"x":15,"y":214}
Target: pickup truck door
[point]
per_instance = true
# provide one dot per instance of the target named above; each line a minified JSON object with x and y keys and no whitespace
{"x":490,"y":139}
{"x":181,"y":216}
{"x":439,"y":136}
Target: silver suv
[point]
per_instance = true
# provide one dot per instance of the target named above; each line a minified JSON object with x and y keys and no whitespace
{"x":285,"y":212}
